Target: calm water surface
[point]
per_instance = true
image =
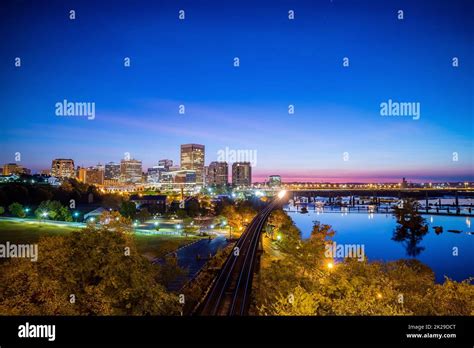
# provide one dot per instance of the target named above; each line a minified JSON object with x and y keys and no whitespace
{"x":375,"y":232}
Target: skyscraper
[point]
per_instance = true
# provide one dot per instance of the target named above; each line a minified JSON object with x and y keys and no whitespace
{"x":63,"y":168}
{"x":192,"y":158}
{"x":112,"y":171}
{"x":241,"y":174}
{"x":131,"y":170}
{"x":217,"y":173}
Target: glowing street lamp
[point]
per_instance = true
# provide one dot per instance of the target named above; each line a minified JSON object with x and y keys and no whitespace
{"x":330,"y":265}
{"x":44,"y":215}
{"x":281,"y":194}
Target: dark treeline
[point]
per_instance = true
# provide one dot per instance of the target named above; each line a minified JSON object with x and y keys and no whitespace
{"x":34,"y":194}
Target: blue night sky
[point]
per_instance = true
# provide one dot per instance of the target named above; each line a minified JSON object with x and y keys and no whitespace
{"x":282,"y":62}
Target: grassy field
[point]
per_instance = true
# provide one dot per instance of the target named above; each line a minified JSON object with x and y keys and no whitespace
{"x":150,"y":246}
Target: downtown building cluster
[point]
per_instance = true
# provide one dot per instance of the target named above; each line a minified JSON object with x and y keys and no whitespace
{"x":128,"y":173}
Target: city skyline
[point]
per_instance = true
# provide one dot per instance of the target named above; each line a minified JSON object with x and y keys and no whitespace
{"x":175,"y":62}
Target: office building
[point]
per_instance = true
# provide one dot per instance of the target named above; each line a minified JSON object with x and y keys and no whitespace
{"x":165,"y":164}
{"x":91,"y":175}
{"x":241,"y":174}
{"x":112,"y":171}
{"x":153,"y":174}
{"x":192,"y":158}
{"x":131,"y":171}
{"x":217,"y":173}
{"x":15,"y":168}
{"x":63,"y":168}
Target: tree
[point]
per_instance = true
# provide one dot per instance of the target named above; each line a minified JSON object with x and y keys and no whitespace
{"x":16,"y":209}
{"x":143,"y":215}
{"x":169,"y":271}
{"x":411,"y":227}
{"x":99,"y":268}
{"x":128,"y":209}
{"x":53,"y":210}
{"x":181,"y":214}
{"x":192,"y":208}
{"x":112,"y":201}
{"x":233,"y":219}
{"x":300,"y":284}
{"x":189,"y":226}
{"x":2,"y":210}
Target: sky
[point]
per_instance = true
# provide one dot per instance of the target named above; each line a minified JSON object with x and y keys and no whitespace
{"x":336,"y":132}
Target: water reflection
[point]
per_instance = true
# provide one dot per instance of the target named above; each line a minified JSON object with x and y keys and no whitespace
{"x":377,"y":232}
{"x":411,"y":228}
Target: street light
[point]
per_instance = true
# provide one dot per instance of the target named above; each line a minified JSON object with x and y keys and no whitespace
{"x":330,"y":265}
{"x":44,"y":214}
{"x":281,"y":194}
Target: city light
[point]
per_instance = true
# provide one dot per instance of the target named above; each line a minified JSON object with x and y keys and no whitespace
{"x":281,"y":194}
{"x":330,"y":265}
